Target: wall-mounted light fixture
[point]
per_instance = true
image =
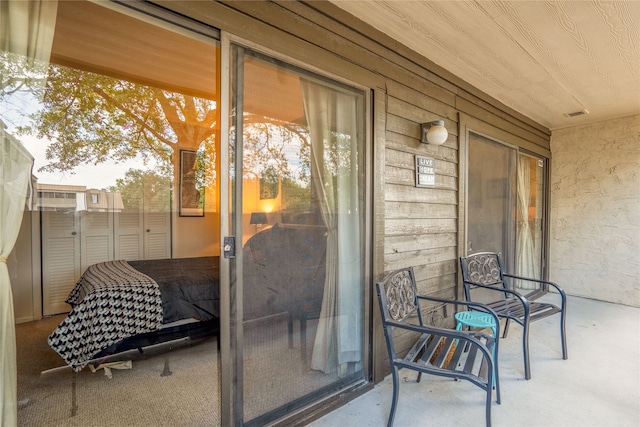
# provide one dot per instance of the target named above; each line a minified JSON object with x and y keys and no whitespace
{"x":434,"y":132}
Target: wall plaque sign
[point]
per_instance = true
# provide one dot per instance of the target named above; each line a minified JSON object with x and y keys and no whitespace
{"x":425,"y":172}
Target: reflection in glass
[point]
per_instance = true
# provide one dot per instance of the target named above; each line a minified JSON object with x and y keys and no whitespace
{"x":105,"y":117}
{"x":302,"y":145}
{"x":492,"y":189}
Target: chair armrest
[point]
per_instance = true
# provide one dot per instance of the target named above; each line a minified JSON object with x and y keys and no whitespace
{"x":475,"y":305}
{"x":529,"y":279}
{"x":522,"y":298}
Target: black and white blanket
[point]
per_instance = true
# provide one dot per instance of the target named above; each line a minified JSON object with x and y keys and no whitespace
{"x":111,"y":301}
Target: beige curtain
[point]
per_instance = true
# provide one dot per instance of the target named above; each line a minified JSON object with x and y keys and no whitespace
{"x":26,"y":29}
{"x":332,"y":116}
{"x":527,"y":262}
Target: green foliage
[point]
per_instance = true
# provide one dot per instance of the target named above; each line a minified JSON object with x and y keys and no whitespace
{"x":151,"y":188}
{"x":295,"y":197}
{"x":17,"y":75}
{"x":272,"y":147}
{"x":91,"y":118}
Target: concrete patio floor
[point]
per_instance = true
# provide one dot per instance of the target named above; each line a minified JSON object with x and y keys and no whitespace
{"x":599,"y":385}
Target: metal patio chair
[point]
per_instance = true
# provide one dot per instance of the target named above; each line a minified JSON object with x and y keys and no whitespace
{"x":433,"y":350}
{"x":483,"y":272}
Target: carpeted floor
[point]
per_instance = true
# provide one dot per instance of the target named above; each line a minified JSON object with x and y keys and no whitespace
{"x":177,"y":386}
{"x":164,"y":387}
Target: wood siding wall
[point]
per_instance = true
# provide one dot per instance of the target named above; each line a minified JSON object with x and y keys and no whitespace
{"x":419,"y":227}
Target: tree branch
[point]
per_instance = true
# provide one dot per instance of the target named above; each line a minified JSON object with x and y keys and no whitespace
{"x":130,"y":113}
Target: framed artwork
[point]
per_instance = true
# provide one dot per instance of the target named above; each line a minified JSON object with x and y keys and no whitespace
{"x":269,"y":183}
{"x":191,"y":197}
{"x":268,"y":187}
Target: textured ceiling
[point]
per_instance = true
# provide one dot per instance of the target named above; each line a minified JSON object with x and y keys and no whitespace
{"x":544,"y":59}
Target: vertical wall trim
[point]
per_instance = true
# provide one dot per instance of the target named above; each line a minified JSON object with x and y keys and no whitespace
{"x":546,"y":235}
{"x":378,"y":215}
{"x":463,"y":169}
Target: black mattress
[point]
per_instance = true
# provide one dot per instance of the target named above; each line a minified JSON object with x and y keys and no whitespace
{"x":189,"y":286}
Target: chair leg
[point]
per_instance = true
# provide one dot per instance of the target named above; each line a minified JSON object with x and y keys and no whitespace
{"x":290,"y":330}
{"x":525,"y":350}
{"x":488,"y":407}
{"x":495,"y":330}
{"x":303,"y":341}
{"x":563,"y":335}
{"x":506,"y":328}
{"x":490,"y":384}
{"x":394,"y":400}
{"x":497,"y":381}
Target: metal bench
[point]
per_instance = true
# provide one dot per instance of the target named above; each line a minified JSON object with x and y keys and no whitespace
{"x":433,"y":349}
{"x":482,"y":272}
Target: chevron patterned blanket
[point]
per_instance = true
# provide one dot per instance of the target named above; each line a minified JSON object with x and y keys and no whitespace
{"x":111,"y":301}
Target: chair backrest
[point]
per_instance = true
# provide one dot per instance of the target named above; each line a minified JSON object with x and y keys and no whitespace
{"x":397,"y":295}
{"x":482,"y":268}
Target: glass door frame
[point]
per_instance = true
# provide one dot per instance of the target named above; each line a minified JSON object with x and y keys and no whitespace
{"x":231,"y":323}
{"x":227,"y":361}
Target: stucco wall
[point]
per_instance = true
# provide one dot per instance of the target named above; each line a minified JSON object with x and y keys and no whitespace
{"x":595,"y":210}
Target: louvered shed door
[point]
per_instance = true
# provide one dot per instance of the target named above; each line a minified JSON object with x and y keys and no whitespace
{"x":157,"y":235}
{"x":96,"y":237}
{"x":60,"y":259}
{"x":129,"y":237}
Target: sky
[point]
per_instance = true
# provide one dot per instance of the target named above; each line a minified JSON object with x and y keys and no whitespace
{"x":92,"y":176}
{"x":15,"y":111}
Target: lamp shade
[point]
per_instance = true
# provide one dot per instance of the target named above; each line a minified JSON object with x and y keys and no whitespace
{"x":258,"y":218}
{"x":437,"y":133}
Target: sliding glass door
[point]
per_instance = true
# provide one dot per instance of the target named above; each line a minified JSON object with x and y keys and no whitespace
{"x":120,"y":116}
{"x":492,"y":180}
{"x":298,"y":217}
{"x":506,"y":204}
